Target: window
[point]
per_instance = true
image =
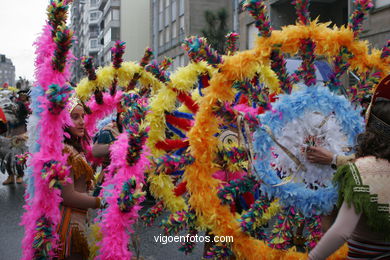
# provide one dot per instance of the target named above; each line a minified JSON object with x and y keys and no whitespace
{"x":93,"y":44}
{"x":182,"y":29}
{"x":160,"y":14}
{"x":115,"y":34}
{"x":107,"y":57}
{"x":161,"y":39}
{"x":115,"y":14}
{"x":161,"y":6}
{"x":107,"y":37}
{"x":93,"y":2}
{"x":107,"y":19}
{"x":167,"y":17}
{"x":381,"y":3}
{"x":174,"y":13}
{"x":251,"y":35}
{"x":174,"y":30}
{"x":176,"y":62}
{"x":93,"y":16}
{"x":181,"y":7}
{"x":160,"y":21}
{"x":181,"y":60}
{"x":167,"y":34}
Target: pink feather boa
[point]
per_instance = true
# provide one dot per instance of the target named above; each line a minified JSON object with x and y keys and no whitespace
{"x":116,"y":226}
{"x":100,"y":111}
{"x":44,"y":72}
{"x":246,"y":109}
{"x":46,"y":200}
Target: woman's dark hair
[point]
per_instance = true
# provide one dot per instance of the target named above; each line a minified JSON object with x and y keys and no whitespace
{"x":371,"y":142}
{"x":76,"y":142}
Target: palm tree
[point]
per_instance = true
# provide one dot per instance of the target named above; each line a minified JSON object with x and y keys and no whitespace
{"x":216,"y":29}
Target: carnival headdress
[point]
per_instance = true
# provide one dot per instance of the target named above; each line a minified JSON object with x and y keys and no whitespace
{"x":382,"y":93}
{"x":73,"y":102}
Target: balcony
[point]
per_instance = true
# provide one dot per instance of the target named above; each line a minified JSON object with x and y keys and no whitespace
{"x":94,"y":17}
{"x":94,"y":34}
{"x":101,"y":4}
{"x":110,"y":4}
{"x":94,"y":50}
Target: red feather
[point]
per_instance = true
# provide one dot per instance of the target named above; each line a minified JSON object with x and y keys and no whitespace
{"x":249,"y":198}
{"x":180,"y":189}
{"x":272,"y":97}
{"x":182,"y":123}
{"x":169,"y":145}
{"x":187,"y":100}
{"x":243,"y":100}
{"x":205,"y":80}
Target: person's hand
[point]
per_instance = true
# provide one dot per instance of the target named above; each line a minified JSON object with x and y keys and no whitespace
{"x":113,"y":128}
{"x":319,"y":155}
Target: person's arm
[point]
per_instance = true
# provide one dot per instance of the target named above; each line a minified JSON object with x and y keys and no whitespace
{"x":100,"y":150}
{"x":321,"y":155}
{"x":75,"y":199}
{"x":341,"y":230}
{"x":344,"y":159}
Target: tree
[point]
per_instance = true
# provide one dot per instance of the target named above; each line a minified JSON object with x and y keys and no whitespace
{"x":216,"y":29}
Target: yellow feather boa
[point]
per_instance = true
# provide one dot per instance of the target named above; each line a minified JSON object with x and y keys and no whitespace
{"x":106,"y":75}
{"x":183,"y":79}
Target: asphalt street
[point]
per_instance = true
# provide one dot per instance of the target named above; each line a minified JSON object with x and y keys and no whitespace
{"x":11,"y":234}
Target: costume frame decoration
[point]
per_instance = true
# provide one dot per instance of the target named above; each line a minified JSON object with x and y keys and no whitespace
{"x":200,"y":184}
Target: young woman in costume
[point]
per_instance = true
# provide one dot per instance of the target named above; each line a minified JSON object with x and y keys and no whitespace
{"x":364,"y":219}
{"x":76,"y":200}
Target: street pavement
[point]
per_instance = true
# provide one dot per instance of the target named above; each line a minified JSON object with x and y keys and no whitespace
{"x":11,"y":234}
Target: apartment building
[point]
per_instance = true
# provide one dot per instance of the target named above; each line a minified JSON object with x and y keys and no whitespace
{"x":99,"y":23}
{"x":85,"y":17}
{"x":126,"y":20}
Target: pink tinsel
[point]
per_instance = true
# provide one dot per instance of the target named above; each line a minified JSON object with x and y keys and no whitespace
{"x":45,"y":47}
{"x":228,"y":176}
{"x":246,"y":109}
{"x":100,"y":111}
{"x":44,"y":73}
{"x":116,"y":226}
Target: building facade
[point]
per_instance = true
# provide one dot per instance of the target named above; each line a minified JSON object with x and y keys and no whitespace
{"x":282,"y":13}
{"x":126,"y":20}
{"x":172,"y":21}
{"x":376,"y":27}
{"x":7,"y":71}
{"x":85,"y":18}
{"x":99,"y":23}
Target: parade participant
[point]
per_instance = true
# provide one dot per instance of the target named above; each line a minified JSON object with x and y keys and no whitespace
{"x":363,"y":218}
{"x":76,"y":201}
{"x":3,"y":122}
{"x":101,"y":144}
{"x":16,"y":131}
{"x":22,"y":112}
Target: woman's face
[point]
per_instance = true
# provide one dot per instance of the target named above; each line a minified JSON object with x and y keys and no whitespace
{"x":77,"y":116}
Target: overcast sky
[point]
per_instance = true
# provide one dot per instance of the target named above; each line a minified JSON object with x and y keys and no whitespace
{"x":21,"y":21}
